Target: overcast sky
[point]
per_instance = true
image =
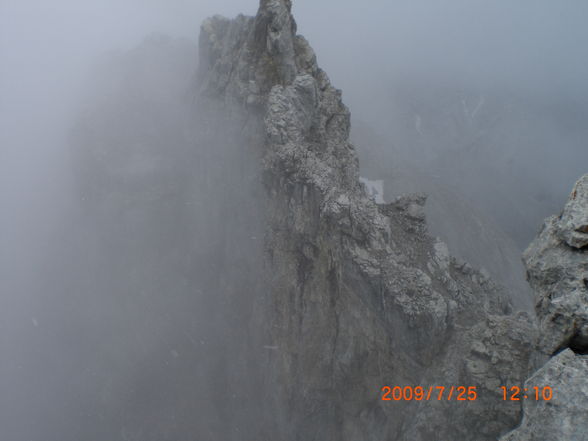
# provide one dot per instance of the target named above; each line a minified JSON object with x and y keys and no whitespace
{"x":538,"y":43}
{"x":47,"y":50}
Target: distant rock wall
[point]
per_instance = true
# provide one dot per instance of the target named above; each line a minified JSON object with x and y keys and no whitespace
{"x":471,"y":234}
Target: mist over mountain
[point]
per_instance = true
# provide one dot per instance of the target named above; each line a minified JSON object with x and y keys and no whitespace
{"x":190,"y":245}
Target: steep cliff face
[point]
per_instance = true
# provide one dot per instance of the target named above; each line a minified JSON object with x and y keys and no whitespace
{"x":358,"y":294}
{"x":245,"y":259}
{"x":557,"y":266}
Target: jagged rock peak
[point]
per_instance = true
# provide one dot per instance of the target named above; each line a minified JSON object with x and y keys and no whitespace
{"x":573,"y":222}
{"x":357,"y":292}
{"x":242,"y":59}
{"x":274,"y":35}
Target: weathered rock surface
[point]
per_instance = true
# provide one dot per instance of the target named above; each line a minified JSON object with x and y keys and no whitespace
{"x":557,"y":268}
{"x":573,"y":223}
{"x":489,"y":355}
{"x":359,"y":296}
{"x":565,"y":416}
{"x":306,"y":296}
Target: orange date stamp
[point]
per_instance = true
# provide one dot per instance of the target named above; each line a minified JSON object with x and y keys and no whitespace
{"x":462,"y":393}
{"x":517,"y":393}
{"x":420,"y":393}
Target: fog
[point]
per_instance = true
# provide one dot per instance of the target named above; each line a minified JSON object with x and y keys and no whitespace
{"x":90,"y":348}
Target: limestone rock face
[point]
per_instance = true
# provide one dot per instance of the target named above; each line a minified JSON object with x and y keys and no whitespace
{"x":489,"y":355}
{"x":358,"y":296}
{"x":563,"y":417}
{"x":573,"y":223}
{"x":557,"y":268}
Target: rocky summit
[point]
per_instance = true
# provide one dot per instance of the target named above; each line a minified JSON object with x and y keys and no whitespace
{"x":358,"y":295}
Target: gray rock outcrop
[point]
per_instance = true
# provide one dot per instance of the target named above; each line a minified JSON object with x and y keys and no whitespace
{"x":359,"y":296}
{"x":297,"y":296}
{"x":492,"y":354}
{"x":557,"y":266}
{"x":573,"y":223}
{"x":564,"y":416}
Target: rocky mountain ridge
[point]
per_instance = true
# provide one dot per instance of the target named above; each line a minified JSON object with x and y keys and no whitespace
{"x":266,"y":278}
{"x":359,"y":295}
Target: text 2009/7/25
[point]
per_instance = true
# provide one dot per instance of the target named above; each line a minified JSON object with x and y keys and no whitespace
{"x":419,"y":393}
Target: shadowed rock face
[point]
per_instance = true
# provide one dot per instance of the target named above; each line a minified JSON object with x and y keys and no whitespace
{"x":358,"y":295}
{"x":166,"y":249}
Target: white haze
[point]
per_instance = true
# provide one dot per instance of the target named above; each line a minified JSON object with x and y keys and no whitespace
{"x":50,"y":50}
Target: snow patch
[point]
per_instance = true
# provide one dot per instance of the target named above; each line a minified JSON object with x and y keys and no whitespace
{"x":374,"y":189}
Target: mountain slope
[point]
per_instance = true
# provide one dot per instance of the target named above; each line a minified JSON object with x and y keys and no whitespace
{"x":359,"y":296}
